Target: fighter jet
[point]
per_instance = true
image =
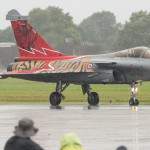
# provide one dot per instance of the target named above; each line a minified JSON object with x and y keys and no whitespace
{"x":39,"y":61}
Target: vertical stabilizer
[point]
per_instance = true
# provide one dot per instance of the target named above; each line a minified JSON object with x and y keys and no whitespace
{"x":29,"y":42}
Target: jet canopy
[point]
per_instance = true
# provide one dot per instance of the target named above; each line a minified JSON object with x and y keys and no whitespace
{"x":138,"y":52}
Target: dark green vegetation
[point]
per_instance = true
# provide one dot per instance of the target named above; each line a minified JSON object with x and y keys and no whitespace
{"x":22,"y":91}
{"x":98,"y":33}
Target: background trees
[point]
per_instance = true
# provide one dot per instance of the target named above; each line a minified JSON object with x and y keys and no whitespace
{"x":99,"y":31}
{"x":6,"y":35}
{"x":136,"y":32}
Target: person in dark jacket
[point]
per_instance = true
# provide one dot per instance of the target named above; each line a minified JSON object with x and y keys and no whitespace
{"x":22,"y":137}
{"x":122,"y":147}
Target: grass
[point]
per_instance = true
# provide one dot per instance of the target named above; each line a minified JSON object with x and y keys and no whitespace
{"x":22,"y":91}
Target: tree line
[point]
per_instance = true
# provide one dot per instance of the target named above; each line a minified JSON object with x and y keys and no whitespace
{"x":97,"y":33}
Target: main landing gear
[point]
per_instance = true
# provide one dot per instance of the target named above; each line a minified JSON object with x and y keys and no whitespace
{"x":56,"y":97}
{"x":93,"y":97}
{"x":134,"y":90}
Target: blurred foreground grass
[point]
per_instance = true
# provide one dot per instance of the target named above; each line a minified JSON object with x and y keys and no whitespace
{"x":22,"y":91}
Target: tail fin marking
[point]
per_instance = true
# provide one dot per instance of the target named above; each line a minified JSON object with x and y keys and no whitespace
{"x":30,"y":43}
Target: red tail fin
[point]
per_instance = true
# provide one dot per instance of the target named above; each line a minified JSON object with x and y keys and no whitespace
{"x":29,"y":42}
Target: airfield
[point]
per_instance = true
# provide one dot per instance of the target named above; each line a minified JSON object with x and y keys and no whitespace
{"x":103,"y":128}
{"x":23,"y":91}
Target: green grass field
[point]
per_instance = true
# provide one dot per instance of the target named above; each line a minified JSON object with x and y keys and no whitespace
{"x":22,"y":91}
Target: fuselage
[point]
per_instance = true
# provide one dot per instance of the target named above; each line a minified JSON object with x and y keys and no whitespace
{"x":119,"y":67}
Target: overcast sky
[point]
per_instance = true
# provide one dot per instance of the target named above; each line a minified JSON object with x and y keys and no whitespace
{"x":78,"y":9}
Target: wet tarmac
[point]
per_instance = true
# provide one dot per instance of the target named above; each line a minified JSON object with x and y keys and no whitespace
{"x":99,"y":129}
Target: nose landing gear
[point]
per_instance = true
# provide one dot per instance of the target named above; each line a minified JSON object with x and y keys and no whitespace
{"x":134,"y":90}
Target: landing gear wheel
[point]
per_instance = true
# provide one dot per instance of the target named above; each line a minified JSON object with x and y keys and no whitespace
{"x":93,"y":99}
{"x":55,"y":98}
{"x":133,"y":101}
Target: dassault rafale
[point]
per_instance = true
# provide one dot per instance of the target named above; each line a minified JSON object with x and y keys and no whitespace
{"x":39,"y":61}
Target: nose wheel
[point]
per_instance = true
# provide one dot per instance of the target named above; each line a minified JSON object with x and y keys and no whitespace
{"x":133,"y":101}
{"x":134,"y":90}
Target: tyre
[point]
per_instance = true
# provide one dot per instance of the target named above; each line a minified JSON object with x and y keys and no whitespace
{"x":133,"y":101}
{"x":55,"y":98}
{"x":93,"y":99}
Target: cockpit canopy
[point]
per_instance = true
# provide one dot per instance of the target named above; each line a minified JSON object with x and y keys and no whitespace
{"x":139,"y":52}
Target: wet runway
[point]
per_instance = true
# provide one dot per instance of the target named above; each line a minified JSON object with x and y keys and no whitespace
{"x":104,"y":128}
